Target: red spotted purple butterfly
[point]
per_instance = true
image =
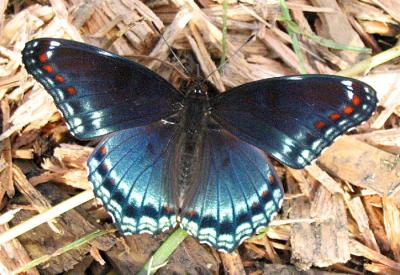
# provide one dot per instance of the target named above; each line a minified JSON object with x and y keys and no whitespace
{"x":197,"y":157}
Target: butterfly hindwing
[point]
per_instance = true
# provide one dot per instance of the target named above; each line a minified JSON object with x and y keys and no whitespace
{"x":130,"y":171}
{"x":236,"y":194}
{"x":98,"y":92}
{"x":294,"y":118}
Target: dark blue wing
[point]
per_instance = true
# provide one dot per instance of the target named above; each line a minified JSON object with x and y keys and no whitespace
{"x":293,"y":118}
{"x":131,"y":173}
{"x":236,"y":194}
{"x":98,"y":92}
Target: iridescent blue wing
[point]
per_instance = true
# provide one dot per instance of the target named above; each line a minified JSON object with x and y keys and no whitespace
{"x":98,"y":92}
{"x":294,"y":118}
{"x":236,"y":193}
{"x":131,"y":173}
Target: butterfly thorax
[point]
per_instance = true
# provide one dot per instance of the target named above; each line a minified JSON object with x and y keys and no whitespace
{"x":194,"y":120}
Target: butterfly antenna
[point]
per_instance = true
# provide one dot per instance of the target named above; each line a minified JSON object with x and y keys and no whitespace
{"x":233,"y":55}
{"x":170,"y":48}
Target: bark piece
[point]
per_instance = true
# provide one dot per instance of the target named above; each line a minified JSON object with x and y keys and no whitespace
{"x":232,"y":263}
{"x":339,"y":29}
{"x":13,"y":255}
{"x":392,"y":7}
{"x":360,"y":216}
{"x":392,"y":225}
{"x":322,"y":243}
{"x":131,"y":253}
{"x":363,"y":165}
{"x":73,"y":225}
{"x":278,"y":269}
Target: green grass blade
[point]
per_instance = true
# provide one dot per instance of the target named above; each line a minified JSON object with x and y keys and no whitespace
{"x":328,"y":43}
{"x":224,"y":35}
{"x":160,"y":257}
{"x":372,"y":62}
{"x":62,"y":250}
{"x":293,"y":36}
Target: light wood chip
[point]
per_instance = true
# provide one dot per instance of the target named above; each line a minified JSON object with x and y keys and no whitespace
{"x":13,"y":255}
{"x":359,"y":249}
{"x":391,"y":214}
{"x":324,"y":242}
{"x":232,"y":263}
{"x":336,"y":27}
{"x":392,"y":7}
{"x":363,"y":165}
{"x":359,"y":214}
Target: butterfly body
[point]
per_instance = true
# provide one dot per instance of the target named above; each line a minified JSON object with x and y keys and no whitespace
{"x":198,"y":158}
{"x":193,"y":121}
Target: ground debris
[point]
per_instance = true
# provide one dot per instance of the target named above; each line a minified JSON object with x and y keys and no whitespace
{"x":340,"y":214}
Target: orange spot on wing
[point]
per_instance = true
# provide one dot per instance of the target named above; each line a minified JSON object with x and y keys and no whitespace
{"x":356,"y":100}
{"x":43,"y":57}
{"x":264,"y":194}
{"x":48,"y":68}
{"x":103,"y":150}
{"x":168,"y":209}
{"x":271,"y":179}
{"x":334,"y":116}
{"x":71,"y":90}
{"x":319,"y":124}
{"x":59,"y":78}
{"x":254,"y":205}
{"x":348,"y":110}
{"x":192,"y":213}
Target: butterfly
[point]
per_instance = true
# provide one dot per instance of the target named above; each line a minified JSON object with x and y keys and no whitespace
{"x":197,"y":157}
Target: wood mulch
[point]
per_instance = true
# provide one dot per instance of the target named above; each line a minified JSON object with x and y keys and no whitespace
{"x":340,"y":215}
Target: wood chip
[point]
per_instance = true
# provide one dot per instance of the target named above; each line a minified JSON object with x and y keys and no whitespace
{"x":13,"y":255}
{"x":312,"y":244}
{"x":390,"y":6}
{"x":359,"y":214}
{"x":391,"y":214}
{"x":358,"y":249}
{"x":338,"y":28}
{"x":34,"y":197}
{"x":362,"y":166}
{"x":358,"y":173}
{"x":232,"y":263}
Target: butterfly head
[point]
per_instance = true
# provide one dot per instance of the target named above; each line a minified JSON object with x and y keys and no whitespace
{"x":200,"y":88}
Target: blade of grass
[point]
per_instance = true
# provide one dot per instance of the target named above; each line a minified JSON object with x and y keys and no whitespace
{"x":224,"y":35}
{"x":162,"y":254}
{"x":46,"y":216}
{"x":293,"y":29}
{"x":328,"y":43}
{"x":62,"y":250}
{"x":371,"y":62}
{"x":293,"y":36}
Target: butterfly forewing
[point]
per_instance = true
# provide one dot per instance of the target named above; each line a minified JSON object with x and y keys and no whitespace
{"x":98,"y":92}
{"x":294,"y":118}
{"x":237,"y":192}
